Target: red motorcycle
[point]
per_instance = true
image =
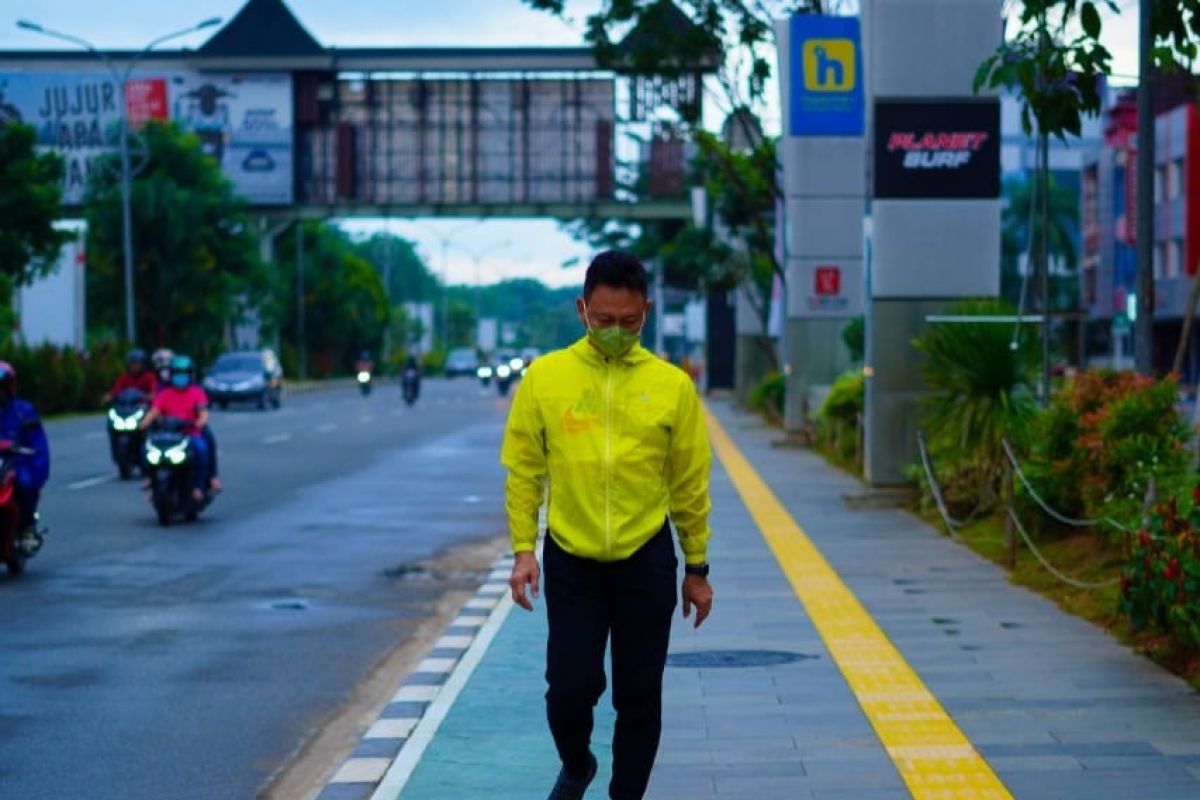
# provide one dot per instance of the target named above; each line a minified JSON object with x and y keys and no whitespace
{"x":14,"y":549}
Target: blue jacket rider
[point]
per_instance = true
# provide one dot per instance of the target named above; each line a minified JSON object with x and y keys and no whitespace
{"x":20,"y":424}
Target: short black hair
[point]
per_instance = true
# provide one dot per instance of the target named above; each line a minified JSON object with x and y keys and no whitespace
{"x":618,"y":269}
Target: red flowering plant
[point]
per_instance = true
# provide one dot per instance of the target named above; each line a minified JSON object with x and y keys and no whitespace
{"x":1160,"y":585}
{"x":1103,"y":437}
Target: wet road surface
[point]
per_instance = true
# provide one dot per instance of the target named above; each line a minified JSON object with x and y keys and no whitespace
{"x":191,"y":662}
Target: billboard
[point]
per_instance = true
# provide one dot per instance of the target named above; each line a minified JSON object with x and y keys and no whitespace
{"x":825,"y":76}
{"x":245,"y":122}
{"x":948,"y":149}
{"x":457,"y":141}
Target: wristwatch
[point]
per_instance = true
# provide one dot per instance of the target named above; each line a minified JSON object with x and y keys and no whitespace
{"x":700,"y":570}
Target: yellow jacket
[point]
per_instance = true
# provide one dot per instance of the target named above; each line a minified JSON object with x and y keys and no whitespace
{"x":623,"y":445}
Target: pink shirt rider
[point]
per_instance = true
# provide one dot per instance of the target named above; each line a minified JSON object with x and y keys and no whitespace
{"x":184,"y":404}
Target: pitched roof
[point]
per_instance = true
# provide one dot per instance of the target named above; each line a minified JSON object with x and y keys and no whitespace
{"x":262,"y":28}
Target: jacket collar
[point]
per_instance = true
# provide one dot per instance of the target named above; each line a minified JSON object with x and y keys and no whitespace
{"x":584,"y":349}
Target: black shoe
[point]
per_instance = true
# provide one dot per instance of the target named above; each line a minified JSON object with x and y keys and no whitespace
{"x":572,"y":788}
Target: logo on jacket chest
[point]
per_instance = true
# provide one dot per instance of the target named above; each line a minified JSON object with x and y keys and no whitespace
{"x":584,"y":414}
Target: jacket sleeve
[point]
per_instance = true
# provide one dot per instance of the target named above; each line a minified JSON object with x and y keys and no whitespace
{"x":33,"y":470}
{"x":524,"y":455}
{"x":688,"y":465}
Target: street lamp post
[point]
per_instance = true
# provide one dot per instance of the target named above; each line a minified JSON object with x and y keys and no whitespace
{"x":121,"y":78}
{"x":444,"y":239}
{"x":477,"y":259}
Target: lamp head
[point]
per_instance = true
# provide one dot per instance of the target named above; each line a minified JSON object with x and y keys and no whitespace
{"x":29,"y":26}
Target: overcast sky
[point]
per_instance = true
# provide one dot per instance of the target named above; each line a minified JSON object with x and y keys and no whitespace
{"x":523,"y":248}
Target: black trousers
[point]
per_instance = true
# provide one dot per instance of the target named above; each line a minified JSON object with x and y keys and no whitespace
{"x":587,"y":602}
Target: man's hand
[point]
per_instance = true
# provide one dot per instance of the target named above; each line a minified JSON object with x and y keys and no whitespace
{"x":697,"y":591}
{"x":526,"y":571}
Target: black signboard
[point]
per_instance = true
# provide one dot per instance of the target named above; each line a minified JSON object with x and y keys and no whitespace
{"x":928,"y":149}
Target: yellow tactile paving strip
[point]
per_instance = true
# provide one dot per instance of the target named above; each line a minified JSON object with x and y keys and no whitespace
{"x":934,"y":758}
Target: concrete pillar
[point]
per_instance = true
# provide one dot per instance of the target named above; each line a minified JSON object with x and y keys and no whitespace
{"x":935,"y":222}
{"x":824,"y":186}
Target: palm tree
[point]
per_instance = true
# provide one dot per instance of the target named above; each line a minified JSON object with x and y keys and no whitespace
{"x":1016,"y":240}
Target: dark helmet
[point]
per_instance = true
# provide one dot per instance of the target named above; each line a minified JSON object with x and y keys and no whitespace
{"x":136,"y":356}
{"x":8,"y":380}
{"x":182,"y":365}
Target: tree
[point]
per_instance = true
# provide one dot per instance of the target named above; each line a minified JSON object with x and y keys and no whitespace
{"x":460,"y":322}
{"x":411,"y":279}
{"x":195,"y":253}
{"x":30,"y":192}
{"x":1054,"y":59}
{"x":1020,"y":225}
{"x":345,"y":305}
{"x":669,"y":39}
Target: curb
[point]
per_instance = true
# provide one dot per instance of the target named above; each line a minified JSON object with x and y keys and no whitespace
{"x":392,"y":746}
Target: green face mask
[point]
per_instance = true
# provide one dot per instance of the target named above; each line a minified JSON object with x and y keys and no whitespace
{"x":613,"y":341}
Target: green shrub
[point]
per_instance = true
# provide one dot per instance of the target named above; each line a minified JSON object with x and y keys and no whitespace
{"x":980,"y":393}
{"x":854,"y":336}
{"x":433,"y":362}
{"x":1102,"y":438}
{"x":768,"y":395}
{"x":60,"y":380}
{"x":838,"y":417}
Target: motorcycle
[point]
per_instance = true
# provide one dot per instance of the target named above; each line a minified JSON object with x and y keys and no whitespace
{"x":364,"y":381}
{"x":124,"y":435}
{"x":484,"y":373}
{"x":410,"y":384}
{"x":170,"y":460}
{"x":504,"y":379}
{"x":13,"y":548}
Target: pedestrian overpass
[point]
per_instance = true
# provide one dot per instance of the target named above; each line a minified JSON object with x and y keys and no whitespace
{"x":306,"y":130}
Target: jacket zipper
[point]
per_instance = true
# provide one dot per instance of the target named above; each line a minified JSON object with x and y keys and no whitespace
{"x":608,"y":460}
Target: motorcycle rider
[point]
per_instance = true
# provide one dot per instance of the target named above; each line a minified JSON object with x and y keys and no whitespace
{"x":182,"y":399}
{"x":20,"y":424}
{"x":162,"y":365}
{"x":137,"y":376}
{"x":365,"y":363}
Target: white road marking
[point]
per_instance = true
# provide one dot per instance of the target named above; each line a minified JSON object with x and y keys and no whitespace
{"x":328,"y":427}
{"x":362,"y":770}
{"x":437,"y":665}
{"x":402,"y":768}
{"x":89,"y":482}
{"x":278,"y":438}
{"x":482,"y":602}
{"x":415,"y":694}
{"x":95,"y":435}
{"x":499,"y":586}
{"x":454,"y":643}
{"x":468,"y":621}
{"x":388,"y":728}
{"x":366,"y":419}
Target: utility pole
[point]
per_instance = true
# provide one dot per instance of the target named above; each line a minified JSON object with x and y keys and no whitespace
{"x":1143,"y":331}
{"x":300,"y":332}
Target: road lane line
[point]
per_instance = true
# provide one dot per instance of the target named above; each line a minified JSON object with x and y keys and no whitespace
{"x":87,"y":483}
{"x":402,"y":768}
{"x":278,"y":438}
{"x":328,"y":427}
{"x":933,"y":756}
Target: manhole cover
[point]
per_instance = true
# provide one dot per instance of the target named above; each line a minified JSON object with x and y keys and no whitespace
{"x":708,"y":659}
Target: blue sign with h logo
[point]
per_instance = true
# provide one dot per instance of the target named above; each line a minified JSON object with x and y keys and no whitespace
{"x":826,"y":77}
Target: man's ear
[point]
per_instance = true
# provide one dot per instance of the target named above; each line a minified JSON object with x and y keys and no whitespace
{"x":581,"y":310}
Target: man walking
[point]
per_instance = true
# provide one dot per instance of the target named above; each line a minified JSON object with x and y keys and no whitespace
{"x":619,"y":434}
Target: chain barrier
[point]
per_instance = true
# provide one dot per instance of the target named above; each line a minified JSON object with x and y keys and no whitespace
{"x":952,"y":524}
{"x":1067,"y":579}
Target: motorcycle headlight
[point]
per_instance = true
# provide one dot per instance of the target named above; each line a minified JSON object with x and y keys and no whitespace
{"x":516,"y":364}
{"x":114,"y":417}
{"x":363,"y":377}
{"x":178,"y":453}
{"x":503,"y":371}
{"x":484,"y":372}
{"x":154,"y":455}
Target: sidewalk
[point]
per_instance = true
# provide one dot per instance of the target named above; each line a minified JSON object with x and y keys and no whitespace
{"x":946,"y":682}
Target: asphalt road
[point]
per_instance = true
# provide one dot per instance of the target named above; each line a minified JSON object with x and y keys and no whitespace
{"x":190,"y":662}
